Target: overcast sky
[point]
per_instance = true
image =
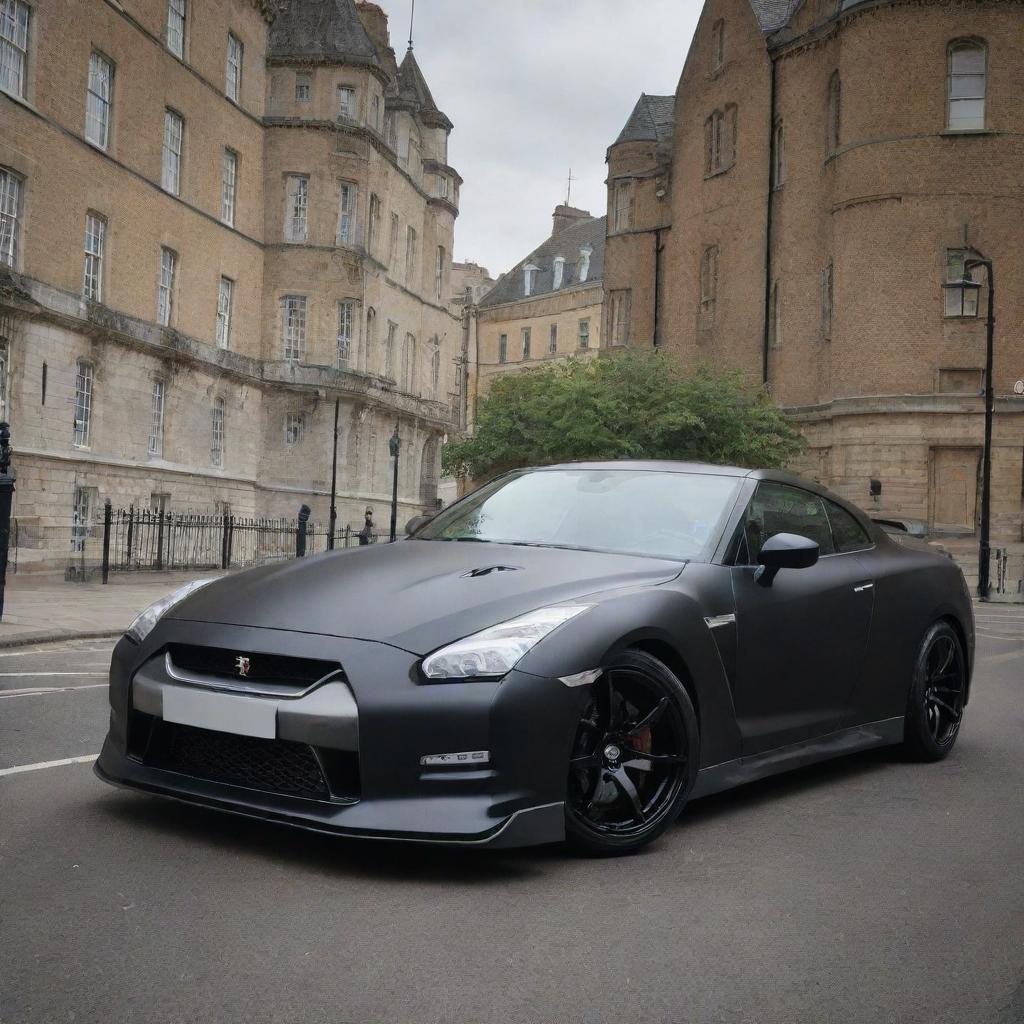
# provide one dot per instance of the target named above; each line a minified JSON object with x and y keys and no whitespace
{"x":533,"y":88}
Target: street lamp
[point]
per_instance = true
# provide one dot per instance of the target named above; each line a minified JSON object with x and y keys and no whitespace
{"x":394,"y":446}
{"x":972,"y":288}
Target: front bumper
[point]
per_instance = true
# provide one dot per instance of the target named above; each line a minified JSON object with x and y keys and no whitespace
{"x":526,"y":723}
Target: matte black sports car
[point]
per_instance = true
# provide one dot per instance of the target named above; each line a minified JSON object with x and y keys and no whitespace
{"x":572,"y":651}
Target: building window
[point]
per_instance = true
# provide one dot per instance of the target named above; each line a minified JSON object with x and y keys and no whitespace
{"x":389,"y":350}
{"x":346,"y":102}
{"x":84,"y":379}
{"x":165,"y":291}
{"x":435,"y":370}
{"x":529,"y":278}
{"x":294,"y":429}
{"x":584,"y":334}
{"x":775,"y":317}
{"x":619,"y":316}
{"x":553,"y":339}
{"x":720,"y":140}
{"x":346,"y":319}
{"x":827,"y":301}
{"x":375,"y":112}
{"x":293,"y":326}
{"x":217,"y":433}
{"x":347,"y":212}
{"x":92,"y":277}
{"x":526,"y":342}
{"x":439,"y":274}
{"x":391,"y":131}
{"x":82,"y":516}
{"x":156,"y":424}
{"x":967,"y":85}
{"x":834,"y":115}
{"x":558,"y":272}
{"x":10,"y":216}
{"x":14,"y":15}
{"x":393,"y":240}
{"x":98,"y":97}
{"x":233,"y":76}
{"x":959,"y":302}
{"x":297,"y":209}
{"x":503,"y":348}
{"x":779,"y":156}
{"x":176,"y":27}
{"x":373,"y":228}
{"x":717,"y":45}
{"x":409,"y":364}
{"x":224,"y":296}
{"x":622,"y":214}
{"x":709,"y":279}
{"x":584,"y":266}
{"x":410,"y":255}
{"x":303,"y":86}
{"x":174,"y":132}
{"x":229,"y":187}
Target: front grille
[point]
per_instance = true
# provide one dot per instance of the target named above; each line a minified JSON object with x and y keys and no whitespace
{"x":273,"y":670}
{"x":274,"y":766}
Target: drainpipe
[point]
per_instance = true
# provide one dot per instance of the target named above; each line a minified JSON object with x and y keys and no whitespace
{"x":768,"y":227}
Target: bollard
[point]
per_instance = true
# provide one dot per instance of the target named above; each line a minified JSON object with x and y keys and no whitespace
{"x":6,"y":499}
{"x":106,"y":539}
{"x":300,"y":531}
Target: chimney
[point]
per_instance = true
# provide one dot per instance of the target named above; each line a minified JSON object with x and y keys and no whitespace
{"x":565,"y":216}
{"x":375,"y":24}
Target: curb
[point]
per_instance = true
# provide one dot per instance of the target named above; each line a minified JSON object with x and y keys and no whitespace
{"x":49,"y":638}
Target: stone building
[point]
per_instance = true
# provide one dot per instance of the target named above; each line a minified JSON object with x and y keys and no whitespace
{"x":548,"y":306}
{"x":831,"y":167}
{"x":469,"y":284}
{"x":218,"y":218}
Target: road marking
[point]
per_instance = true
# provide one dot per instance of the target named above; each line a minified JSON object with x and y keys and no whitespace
{"x":17,"y":769}
{"x":33,"y":691}
{"x":995,"y":659}
{"x":11,"y":675}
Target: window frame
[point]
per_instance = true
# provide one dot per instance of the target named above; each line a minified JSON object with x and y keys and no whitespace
{"x":18,"y":45}
{"x":229,"y":187}
{"x":92,"y":270}
{"x":99,"y":108}
{"x":171,"y":157}
{"x":502,"y":348}
{"x":526,"y":336}
{"x":622,"y":206}
{"x":155,"y":446}
{"x":233,"y":69}
{"x":182,"y":13}
{"x":959,"y":257}
{"x":222,"y":330}
{"x":963,"y":45}
{"x":346,"y":334}
{"x":347,"y":211}
{"x":303,"y":87}
{"x":12,"y":210}
{"x":296,"y":209}
{"x":218,"y":432}
{"x":350,"y":112}
{"x":165,"y":301}
{"x":583,"y":333}
{"x":294,"y":428}
{"x":294,"y":321}
{"x":85,"y":390}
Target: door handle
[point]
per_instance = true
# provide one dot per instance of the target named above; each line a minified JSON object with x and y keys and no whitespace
{"x":861,"y":587}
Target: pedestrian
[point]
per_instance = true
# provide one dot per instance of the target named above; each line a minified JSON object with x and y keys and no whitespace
{"x":367,"y":535}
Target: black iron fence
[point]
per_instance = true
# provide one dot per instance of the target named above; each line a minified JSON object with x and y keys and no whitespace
{"x":141,"y":539}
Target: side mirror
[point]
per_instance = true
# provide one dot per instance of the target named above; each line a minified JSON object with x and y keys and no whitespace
{"x":784,"y":551}
{"x":415,"y":523}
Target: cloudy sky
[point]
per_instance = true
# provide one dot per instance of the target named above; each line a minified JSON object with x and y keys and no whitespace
{"x":535,"y":87}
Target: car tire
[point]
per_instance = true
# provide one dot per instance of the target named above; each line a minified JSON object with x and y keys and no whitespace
{"x":635,"y":755}
{"x":938,"y":691}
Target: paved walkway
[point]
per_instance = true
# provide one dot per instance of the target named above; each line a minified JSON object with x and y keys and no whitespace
{"x":48,"y":608}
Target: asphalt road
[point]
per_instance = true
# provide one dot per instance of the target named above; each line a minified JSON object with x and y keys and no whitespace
{"x":863,"y":890}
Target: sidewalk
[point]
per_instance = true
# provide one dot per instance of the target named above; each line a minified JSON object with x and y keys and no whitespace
{"x":38,"y":609}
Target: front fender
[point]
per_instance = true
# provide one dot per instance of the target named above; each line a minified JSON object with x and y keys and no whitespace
{"x":668,"y":623}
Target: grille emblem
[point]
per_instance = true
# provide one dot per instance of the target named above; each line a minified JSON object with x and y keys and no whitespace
{"x":242,"y":665}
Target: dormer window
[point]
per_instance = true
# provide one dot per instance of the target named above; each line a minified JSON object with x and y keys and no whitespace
{"x":529,"y":278}
{"x":585,"y":254}
{"x":558,"y":272}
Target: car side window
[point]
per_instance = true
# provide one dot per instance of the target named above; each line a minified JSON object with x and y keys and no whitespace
{"x":779,"y":508}
{"x":849,"y":535}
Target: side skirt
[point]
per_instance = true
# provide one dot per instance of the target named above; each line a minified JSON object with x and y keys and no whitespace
{"x":822,"y":748}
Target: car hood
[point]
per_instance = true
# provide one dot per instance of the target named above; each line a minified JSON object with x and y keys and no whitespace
{"x":417,"y":595}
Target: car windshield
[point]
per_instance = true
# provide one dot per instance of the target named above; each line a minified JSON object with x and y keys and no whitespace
{"x":637,"y":512}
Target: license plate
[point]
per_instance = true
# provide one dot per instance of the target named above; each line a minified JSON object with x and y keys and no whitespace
{"x":244,"y":716}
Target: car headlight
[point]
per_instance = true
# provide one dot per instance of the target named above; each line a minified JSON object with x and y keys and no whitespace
{"x":494,"y":652}
{"x":143,"y":623}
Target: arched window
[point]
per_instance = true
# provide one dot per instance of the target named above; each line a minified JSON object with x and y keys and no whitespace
{"x":968,"y":59}
{"x":834,"y":115}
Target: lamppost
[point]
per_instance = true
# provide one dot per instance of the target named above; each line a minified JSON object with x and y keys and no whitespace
{"x":394,"y":446}
{"x":968,"y":284}
{"x":334,"y":482}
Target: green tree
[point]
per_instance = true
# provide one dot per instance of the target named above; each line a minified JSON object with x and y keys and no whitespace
{"x":636,"y":405}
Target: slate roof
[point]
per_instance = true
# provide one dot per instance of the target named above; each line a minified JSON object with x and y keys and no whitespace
{"x":321,"y":30}
{"x":567,"y":243}
{"x":652,"y":120}
{"x":774,"y":14}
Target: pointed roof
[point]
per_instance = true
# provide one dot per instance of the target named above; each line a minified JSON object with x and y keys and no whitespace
{"x":414,"y":92}
{"x":652,"y":120}
{"x":323,"y":31}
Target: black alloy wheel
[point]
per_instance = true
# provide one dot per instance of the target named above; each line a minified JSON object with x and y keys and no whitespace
{"x":634,"y":758}
{"x":938,"y":694}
